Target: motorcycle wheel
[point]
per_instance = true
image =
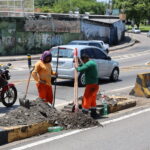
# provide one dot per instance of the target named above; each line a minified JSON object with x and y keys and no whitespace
{"x":9,"y":97}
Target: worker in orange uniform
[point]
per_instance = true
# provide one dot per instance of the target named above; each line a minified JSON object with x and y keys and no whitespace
{"x":91,"y":80}
{"x":42,"y":75}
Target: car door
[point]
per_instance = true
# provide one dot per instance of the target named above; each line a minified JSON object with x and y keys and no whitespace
{"x":104,"y":65}
{"x":92,"y":55}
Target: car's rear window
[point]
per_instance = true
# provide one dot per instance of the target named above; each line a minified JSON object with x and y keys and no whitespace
{"x":63,"y":52}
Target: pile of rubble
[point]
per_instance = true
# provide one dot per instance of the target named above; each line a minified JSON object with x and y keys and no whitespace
{"x":40,"y":111}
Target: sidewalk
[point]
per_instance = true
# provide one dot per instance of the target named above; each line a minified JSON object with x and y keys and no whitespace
{"x":126,"y":43}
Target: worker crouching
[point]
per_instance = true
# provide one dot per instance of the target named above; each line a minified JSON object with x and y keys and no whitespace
{"x":42,"y":74}
{"x":89,"y":68}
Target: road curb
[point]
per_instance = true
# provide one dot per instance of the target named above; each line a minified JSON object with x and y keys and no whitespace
{"x":122,"y":105}
{"x":14,"y":133}
{"x":18,"y":58}
{"x":124,"y":46}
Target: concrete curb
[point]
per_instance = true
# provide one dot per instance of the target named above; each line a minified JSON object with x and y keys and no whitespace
{"x":14,"y":133}
{"x":18,"y":58}
{"x":124,"y":46}
{"x":121,"y":106}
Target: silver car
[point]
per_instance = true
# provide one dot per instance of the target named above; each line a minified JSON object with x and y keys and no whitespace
{"x":100,"y":44}
{"x":107,"y":68}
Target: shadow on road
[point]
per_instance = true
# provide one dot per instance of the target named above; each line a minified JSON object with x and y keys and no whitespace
{"x":7,"y":109}
{"x":70,"y":83}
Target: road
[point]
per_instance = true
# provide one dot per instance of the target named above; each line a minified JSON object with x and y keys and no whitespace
{"x":125,"y":132}
{"x":130,"y":133}
{"x":132,"y":61}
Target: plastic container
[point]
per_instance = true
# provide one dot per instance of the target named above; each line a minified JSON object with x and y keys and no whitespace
{"x":55,"y":129}
{"x":105,"y":105}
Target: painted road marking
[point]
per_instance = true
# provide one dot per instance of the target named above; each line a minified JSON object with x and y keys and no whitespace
{"x":132,"y":68}
{"x":125,"y":116}
{"x":127,"y":56}
{"x":120,"y":89}
{"x":80,"y":130}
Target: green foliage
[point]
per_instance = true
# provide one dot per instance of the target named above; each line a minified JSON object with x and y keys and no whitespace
{"x":64,"y":6}
{"x":136,"y":10}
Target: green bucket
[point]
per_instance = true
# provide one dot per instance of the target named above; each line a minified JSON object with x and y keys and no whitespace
{"x":55,"y":129}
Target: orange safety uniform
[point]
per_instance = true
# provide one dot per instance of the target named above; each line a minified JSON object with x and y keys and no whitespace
{"x":91,"y":80}
{"x":43,"y":71}
{"x":90,"y":94}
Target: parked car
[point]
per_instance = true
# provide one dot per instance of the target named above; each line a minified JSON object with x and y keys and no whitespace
{"x":107,"y":68}
{"x":148,"y":33}
{"x":134,"y":30}
{"x":103,"y":46}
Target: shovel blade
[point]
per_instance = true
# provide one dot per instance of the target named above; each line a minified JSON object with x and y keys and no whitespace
{"x":24,"y":102}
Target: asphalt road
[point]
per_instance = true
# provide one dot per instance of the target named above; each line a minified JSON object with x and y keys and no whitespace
{"x":132,"y":61}
{"x":131,"y":133}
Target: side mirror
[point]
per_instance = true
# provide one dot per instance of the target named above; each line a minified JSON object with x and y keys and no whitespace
{"x":108,"y":58}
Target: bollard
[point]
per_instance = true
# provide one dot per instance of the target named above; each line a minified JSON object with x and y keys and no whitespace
{"x":29,"y":61}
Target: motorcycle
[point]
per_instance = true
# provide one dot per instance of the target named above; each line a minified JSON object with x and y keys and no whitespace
{"x":8,"y":91}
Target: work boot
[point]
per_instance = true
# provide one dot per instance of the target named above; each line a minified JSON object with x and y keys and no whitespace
{"x":85,"y":111}
{"x":94,"y":114}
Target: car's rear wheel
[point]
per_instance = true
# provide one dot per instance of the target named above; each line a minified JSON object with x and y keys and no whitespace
{"x":114,"y":75}
{"x":81,"y":80}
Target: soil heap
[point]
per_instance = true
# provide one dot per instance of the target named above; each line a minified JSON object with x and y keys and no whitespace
{"x":40,"y":111}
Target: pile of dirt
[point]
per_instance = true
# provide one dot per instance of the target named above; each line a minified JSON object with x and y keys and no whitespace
{"x":40,"y":111}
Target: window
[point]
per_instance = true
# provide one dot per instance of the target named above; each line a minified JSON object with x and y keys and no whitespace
{"x":63,"y":52}
{"x":95,"y":44}
{"x":89,"y":52}
{"x":98,"y":54}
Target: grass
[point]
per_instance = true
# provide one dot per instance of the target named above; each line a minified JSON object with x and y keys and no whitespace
{"x":143,"y":28}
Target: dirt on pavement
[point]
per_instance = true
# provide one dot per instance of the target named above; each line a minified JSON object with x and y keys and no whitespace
{"x":40,"y":111}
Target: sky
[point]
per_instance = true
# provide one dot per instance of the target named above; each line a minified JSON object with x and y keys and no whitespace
{"x":102,"y":0}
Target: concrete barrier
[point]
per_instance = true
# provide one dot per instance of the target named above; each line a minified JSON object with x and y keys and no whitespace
{"x":142,"y":86}
{"x":14,"y":133}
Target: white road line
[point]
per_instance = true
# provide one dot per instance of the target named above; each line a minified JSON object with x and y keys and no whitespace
{"x":120,"y":89}
{"x":79,"y":130}
{"x":125,"y":117}
{"x":50,"y":139}
{"x":127,"y":56}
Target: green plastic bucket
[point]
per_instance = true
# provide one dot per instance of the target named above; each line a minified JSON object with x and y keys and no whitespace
{"x":55,"y":129}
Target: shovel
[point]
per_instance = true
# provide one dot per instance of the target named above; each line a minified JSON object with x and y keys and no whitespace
{"x":23,"y":101}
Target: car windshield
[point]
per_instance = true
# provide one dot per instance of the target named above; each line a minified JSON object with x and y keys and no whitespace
{"x":63,"y":52}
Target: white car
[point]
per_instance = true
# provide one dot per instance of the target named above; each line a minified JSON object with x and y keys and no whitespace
{"x":103,"y":46}
{"x":134,"y":30}
{"x":148,"y":33}
{"x":107,"y":68}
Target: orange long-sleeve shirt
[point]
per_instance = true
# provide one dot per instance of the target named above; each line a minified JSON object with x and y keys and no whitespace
{"x":43,"y":71}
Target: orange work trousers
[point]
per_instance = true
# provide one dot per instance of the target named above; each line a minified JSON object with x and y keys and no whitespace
{"x":45,"y":92}
{"x":90,"y":94}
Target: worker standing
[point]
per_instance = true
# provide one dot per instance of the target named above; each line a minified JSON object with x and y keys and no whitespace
{"x":42,"y":75}
{"x":91,"y":80}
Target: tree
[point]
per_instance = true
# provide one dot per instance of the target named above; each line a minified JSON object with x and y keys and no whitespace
{"x":64,"y":6}
{"x":136,"y":10}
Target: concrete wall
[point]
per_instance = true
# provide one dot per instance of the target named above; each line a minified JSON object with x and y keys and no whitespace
{"x":15,"y":40}
{"x":120,"y":29}
{"x":93,"y":31}
{"x":24,"y":35}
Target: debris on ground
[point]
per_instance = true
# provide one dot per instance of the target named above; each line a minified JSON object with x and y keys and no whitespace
{"x":40,"y":111}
